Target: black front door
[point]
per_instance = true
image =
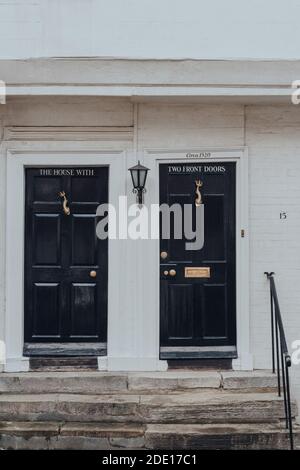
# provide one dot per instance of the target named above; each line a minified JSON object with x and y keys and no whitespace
{"x":65,"y":263}
{"x":197,"y":301}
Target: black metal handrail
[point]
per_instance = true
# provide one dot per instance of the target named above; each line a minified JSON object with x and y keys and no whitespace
{"x":281,"y":360}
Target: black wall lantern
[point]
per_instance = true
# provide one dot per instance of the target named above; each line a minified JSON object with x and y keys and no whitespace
{"x":139,"y":176}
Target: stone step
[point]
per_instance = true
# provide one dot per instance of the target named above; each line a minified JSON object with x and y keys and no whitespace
{"x":97,"y":436}
{"x":206,"y":406}
{"x":219,"y":437}
{"x":254,"y":380}
{"x":70,"y":436}
{"x":155,"y":382}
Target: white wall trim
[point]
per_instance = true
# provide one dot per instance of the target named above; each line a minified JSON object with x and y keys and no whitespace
{"x":49,"y":133}
{"x":152,"y":158}
{"x":17,"y":160}
{"x":244,"y":93}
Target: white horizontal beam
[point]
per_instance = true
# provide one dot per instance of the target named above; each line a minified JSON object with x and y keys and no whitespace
{"x":145,"y":91}
{"x":140,"y":92}
{"x":243,"y":81}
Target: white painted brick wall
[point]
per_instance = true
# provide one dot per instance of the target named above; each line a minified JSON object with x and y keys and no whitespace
{"x":62,"y":111}
{"x":273,"y":137}
{"x":181,"y":126}
{"x":149,"y":28}
{"x":53,"y":111}
{"x":272,"y":134}
{"x":20,"y":28}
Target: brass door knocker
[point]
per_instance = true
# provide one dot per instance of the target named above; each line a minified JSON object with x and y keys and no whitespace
{"x":66,"y":208}
{"x":198,"y":200}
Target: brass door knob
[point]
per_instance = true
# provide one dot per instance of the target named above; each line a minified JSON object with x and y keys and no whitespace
{"x":93,"y":274}
{"x":164,"y":255}
{"x":166,"y":273}
{"x":172,"y":272}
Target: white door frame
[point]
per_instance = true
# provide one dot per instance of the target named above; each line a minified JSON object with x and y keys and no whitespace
{"x":133,"y":272}
{"x":152,"y":158}
{"x":17,"y":160}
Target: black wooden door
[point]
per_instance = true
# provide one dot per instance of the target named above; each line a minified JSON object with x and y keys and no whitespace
{"x":65,"y":263}
{"x":198,"y":306}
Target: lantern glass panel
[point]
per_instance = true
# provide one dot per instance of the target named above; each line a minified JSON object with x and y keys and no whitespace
{"x":143,"y":177}
{"x":135,"y":178}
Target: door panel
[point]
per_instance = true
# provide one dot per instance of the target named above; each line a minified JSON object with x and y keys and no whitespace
{"x":63,"y":303}
{"x":46,"y":239}
{"x":214,"y":228}
{"x":84,"y":240}
{"x":215,"y":319}
{"x":46,"y":310}
{"x":85,"y":189}
{"x":46,"y":189}
{"x":198,"y":314}
{"x":84,"y":310}
{"x":180,"y":304}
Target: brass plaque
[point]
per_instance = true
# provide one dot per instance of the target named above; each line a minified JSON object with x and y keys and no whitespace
{"x":197,"y":272}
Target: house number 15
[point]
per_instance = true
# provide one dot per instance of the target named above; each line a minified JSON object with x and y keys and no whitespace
{"x":283,"y":215}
